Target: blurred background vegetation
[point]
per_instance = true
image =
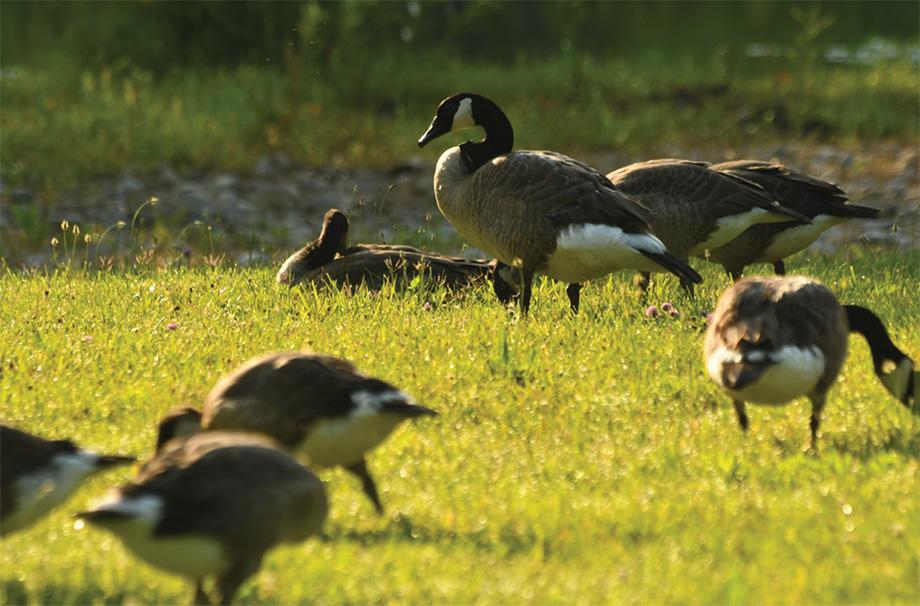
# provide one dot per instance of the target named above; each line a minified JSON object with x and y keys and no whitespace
{"x":93,"y":87}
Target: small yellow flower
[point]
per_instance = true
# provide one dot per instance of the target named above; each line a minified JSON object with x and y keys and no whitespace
{"x":54,"y":242}
{"x":65,"y":224}
{"x":76,"y":230}
{"x":88,"y":238}
{"x":120,"y":225}
{"x":153,"y":200}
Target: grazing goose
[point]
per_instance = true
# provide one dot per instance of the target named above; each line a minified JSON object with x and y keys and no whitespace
{"x":332,"y":240}
{"x":373,"y":267}
{"x":212,"y":505}
{"x":37,"y":475}
{"x":772,"y":340}
{"x":694,"y":208}
{"x":319,"y":407}
{"x":822,"y":202}
{"x":538,"y":210}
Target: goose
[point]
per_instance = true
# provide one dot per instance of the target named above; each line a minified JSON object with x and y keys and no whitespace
{"x":374,"y":267}
{"x":36,"y":475}
{"x":319,"y":407}
{"x":695,"y":208}
{"x":822,"y":202}
{"x":332,"y":240}
{"x":211,"y":506}
{"x":538,"y":211}
{"x":772,"y":340}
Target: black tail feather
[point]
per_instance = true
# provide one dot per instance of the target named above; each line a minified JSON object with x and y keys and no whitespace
{"x":679,"y":268}
{"x":106,"y":461}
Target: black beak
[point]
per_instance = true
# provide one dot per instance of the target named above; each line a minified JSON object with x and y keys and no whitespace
{"x":434,"y":131}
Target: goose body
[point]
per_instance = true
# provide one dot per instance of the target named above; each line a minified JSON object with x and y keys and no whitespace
{"x":772,"y":340}
{"x":695,"y":208}
{"x":825,"y":204}
{"x":319,"y":407}
{"x":375,"y":265}
{"x":37,"y":475}
{"x":211,"y":506}
{"x":538,"y":210}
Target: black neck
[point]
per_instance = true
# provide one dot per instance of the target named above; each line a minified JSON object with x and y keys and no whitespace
{"x":499,"y":135}
{"x":866,"y":323}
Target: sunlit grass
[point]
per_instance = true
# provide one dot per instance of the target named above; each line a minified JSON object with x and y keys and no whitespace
{"x":576,"y":459}
{"x":60,"y":124}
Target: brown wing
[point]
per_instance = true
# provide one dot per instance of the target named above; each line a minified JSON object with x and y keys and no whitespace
{"x":283,"y":394}
{"x":374,"y":267}
{"x":661,"y":182}
{"x":563,"y":189}
{"x":798,"y":191}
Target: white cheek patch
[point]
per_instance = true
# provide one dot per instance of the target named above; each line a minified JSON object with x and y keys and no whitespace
{"x":589,"y":251}
{"x":369,"y":403}
{"x":463,"y":117}
{"x":899,"y":381}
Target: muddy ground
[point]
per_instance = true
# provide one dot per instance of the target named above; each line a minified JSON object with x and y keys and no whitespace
{"x":261,"y":214}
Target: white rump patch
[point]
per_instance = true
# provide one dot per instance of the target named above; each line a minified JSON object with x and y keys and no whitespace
{"x":730,"y":227}
{"x":589,"y":251}
{"x":792,"y":240}
{"x":40,"y":492}
{"x":463,"y":117}
{"x":793,"y":372}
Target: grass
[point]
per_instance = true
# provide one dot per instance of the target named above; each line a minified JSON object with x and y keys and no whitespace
{"x":576,"y":459}
{"x":63,"y":124}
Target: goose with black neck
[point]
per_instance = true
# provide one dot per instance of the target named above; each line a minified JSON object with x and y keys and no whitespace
{"x":539,"y":211}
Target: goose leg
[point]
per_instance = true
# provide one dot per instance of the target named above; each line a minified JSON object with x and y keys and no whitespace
{"x":780,"y":268}
{"x":527,"y":284}
{"x":367,"y":482}
{"x":229,"y":582}
{"x":574,"y":293}
{"x":817,"y":405}
{"x":201,"y":598}
{"x":742,"y":414}
{"x":687,"y":287}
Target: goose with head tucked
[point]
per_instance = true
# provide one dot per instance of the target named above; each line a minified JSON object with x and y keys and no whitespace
{"x":210,"y":506}
{"x":37,"y":474}
{"x":823,"y":203}
{"x":539,"y":211}
{"x":332,"y":241}
{"x":772,"y":340}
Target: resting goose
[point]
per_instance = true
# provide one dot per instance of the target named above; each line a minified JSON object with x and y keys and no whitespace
{"x":539,"y":211}
{"x":825,"y":204}
{"x":772,"y":340}
{"x":37,"y":475}
{"x":319,"y":407}
{"x":332,"y":240}
{"x":373,"y":267}
{"x":696,"y":209}
{"x":211,"y":506}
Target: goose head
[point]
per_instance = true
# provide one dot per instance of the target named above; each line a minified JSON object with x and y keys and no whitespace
{"x":180,"y":423}
{"x":468,"y":110}
{"x":335,"y":230}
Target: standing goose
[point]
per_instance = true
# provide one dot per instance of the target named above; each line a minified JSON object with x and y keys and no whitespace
{"x":319,"y":407}
{"x":539,"y":211}
{"x":696,"y":209}
{"x":822,"y":202}
{"x":213,"y":505}
{"x":37,"y":475}
{"x":772,"y":340}
{"x":332,"y":240}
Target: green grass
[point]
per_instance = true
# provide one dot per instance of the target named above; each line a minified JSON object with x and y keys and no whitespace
{"x":576,"y":459}
{"x":61,"y":124}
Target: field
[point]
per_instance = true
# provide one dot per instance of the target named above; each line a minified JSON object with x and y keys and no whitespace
{"x":576,"y":460}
